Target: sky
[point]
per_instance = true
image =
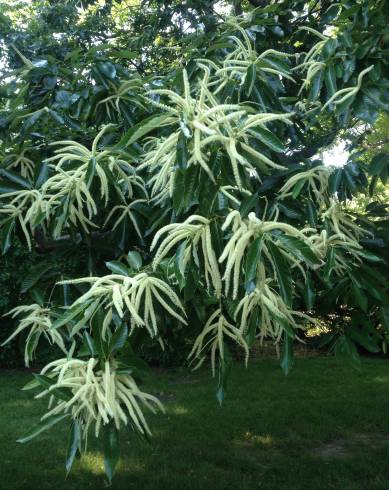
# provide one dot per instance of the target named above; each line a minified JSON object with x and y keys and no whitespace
{"x":336,"y":156}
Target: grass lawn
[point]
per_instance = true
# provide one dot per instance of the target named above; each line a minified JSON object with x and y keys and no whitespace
{"x":325,"y":426}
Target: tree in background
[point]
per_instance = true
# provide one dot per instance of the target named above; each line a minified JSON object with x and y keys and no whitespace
{"x":175,"y":147}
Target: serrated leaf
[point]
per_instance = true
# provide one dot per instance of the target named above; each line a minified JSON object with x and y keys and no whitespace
{"x":143,"y":128}
{"x":42,"y":426}
{"x":298,"y":248}
{"x":35,"y":274}
{"x":269,"y":139}
{"x":74,"y":444}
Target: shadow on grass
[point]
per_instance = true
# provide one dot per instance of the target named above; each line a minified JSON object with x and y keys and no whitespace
{"x":316,"y":429}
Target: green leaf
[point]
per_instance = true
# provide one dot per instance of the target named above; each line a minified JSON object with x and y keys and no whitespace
{"x":252,"y":328}
{"x":107,"y":69}
{"x":249,"y":81}
{"x":311,"y":213}
{"x":62,"y":393}
{"x":334,"y":181}
{"x":15,"y":178}
{"x":118,"y":338}
{"x":33,"y":118}
{"x":35,"y":274}
{"x":298,"y":188}
{"x":287,"y":359}
{"x":330,"y":80}
{"x":74,"y":444}
{"x":182,"y":151}
{"x":359,"y":297}
{"x":96,"y":324}
{"x":6,"y":233}
{"x":248,"y":204}
{"x":111,"y":449}
{"x":378,"y":163}
{"x":70,"y":313}
{"x":316,"y":85}
{"x":6,"y":187}
{"x":42,"y":426}
{"x":56,"y":116}
{"x":224,"y":373}
{"x":298,"y":248}
{"x":252,"y":259}
{"x":179,"y":267}
{"x":330,"y":264}
{"x":269,"y":139}
{"x":134,"y":259}
{"x":191,"y":283}
{"x":143,"y":128}
{"x":41,"y":173}
{"x":330,"y":47}
{"x":284,"y":278}
{"x":118,"y":268}
{"x":125,"y":53}
{"x":309,"y":293}
{"x":90,"y":344}
{"x":178,"y":186}
{"x":90,"y":172}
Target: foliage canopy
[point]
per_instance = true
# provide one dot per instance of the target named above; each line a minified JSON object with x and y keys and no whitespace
{"x":177,"y":144}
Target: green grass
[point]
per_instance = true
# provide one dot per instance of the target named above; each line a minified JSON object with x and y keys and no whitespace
{"x":325,"y":426}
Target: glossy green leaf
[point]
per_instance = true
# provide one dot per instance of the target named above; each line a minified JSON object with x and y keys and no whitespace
{"x":6,"y":232}
{"x":142,"y":128}
{"x":111,"y":449}
{"x":74,"y":444}
{"x":15,"y":177}
{"x":118,"y":268}
{"x":134,"y":259}
{"x":252,"y":259}
{"x":118,"y":338}
{"x":90,"y":172}
{"x":249,"y":82}
{"x":287,"y":359}
{"x":269,"y":139}
{"x":298,"y":248}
